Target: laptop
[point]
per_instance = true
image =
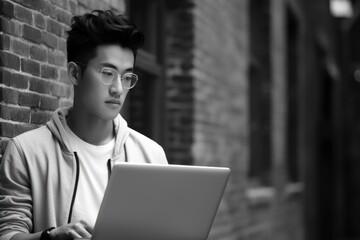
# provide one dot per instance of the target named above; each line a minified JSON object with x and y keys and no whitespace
{"x":160,"y":202}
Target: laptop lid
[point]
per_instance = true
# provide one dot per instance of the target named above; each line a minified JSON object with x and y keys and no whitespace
{"x":162,"y":202}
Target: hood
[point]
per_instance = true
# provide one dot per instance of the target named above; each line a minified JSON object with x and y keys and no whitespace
{"x":58,"y":120}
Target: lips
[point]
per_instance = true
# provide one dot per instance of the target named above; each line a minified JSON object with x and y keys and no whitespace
{"x":113,"y":101}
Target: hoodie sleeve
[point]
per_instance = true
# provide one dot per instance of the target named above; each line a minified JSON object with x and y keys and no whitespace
{"x":162,"y":156}
{"x":15,"y":194}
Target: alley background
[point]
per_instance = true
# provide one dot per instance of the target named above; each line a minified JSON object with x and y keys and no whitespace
{"x":265,"y":87}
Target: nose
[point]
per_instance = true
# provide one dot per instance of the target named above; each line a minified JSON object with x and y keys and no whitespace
{"x":117,"y":87}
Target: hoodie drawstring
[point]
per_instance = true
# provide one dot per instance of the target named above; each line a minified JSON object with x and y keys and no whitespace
{"x":76,"y":186}
{"x":109,"y":168}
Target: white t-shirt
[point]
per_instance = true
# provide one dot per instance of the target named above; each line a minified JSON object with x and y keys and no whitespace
{"x":93,"y":177}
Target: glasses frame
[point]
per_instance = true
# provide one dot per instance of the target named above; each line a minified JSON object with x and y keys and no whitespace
{"x":121,"y":76}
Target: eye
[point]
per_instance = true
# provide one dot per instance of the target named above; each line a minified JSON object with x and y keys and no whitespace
{"x":107,"y":73}
{"x":128,"y":77}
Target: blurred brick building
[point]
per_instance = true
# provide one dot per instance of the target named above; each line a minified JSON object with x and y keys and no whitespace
{"x":261,"y":86}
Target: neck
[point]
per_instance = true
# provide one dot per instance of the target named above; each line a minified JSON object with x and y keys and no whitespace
{"x":90,"y":128}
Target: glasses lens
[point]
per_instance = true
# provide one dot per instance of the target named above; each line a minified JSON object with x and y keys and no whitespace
{"x":108,"y":75}
{"x":129,"y":80}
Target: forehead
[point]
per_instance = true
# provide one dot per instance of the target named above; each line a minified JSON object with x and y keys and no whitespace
{"x":119,"y":57}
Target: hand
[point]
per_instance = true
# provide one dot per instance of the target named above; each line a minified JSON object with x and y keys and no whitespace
{"x":71,"y":231}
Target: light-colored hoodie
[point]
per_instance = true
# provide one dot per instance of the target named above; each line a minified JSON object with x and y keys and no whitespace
{"x":39,"y":174}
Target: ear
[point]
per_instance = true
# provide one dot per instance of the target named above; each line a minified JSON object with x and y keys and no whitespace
{"x":73,"y":73}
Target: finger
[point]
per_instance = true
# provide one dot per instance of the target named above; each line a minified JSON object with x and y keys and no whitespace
{"x":74,"y":235}
{"x":85,"y":234}
{"x":80,"y":229}
{"x":87,"y":227}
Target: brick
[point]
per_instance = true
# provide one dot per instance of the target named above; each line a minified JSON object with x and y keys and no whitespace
{"x":10,"y":27}
{"x":64,"y":77}
{"x":19,"y":81}
{"x":49,"y":103}
{"x":56,"y":57}
{"x":5,"y":76}
{"x":7,"y":8}
{"x":62,"y":45}
{"x":63,"y":16}
{"x":34,"y":5}
{"x":9,"y":95}
{"x":40,"y":117}
{"x":4,"y":42}
{"x":29,"y":99}
{"x":32,"y":34}
{"x":9,"y":60}
{"x":30,"y":66}
{"x":65,"y":102}
{"x":49,"y":40}
{"x":49,"y":10}
{"x":20,"y":47}
{"x":54,"y":27}
{"x":38,"y":53}
{"x":14,"y":79}
{"x":39,"y":85}
{"x":73,"y":7}
{"x":23,"y":14}
{"x":39,"y":21}
{"x":61,"y":4}
{"x":7,"y":129}
{"x":49,"y":72}
{"x":18,"y":114}
{"x":61,"y":90}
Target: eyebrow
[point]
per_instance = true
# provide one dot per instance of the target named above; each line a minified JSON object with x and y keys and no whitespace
{"x":131,"y":69}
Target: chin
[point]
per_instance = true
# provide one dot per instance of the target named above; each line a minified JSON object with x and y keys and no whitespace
{"x":109,"y":115}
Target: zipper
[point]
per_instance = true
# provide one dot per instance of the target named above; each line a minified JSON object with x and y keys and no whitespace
{"x":109,"y":168}
{"x":75,"y":187}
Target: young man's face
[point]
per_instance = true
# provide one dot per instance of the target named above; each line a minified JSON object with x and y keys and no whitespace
{"x":105,"y":101}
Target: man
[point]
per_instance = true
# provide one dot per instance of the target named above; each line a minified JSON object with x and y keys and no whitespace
{"x":52,"y":179}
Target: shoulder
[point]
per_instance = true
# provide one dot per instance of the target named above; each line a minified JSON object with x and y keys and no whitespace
{"x":24,"y":147}
{"x":33,"y":137}
{"x":33,"y":141}
{"x":150,"y":149}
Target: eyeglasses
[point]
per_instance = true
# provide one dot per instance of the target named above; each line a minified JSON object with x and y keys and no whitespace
{"x":109,"y":76}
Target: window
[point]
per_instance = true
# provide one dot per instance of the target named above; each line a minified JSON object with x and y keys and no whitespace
{"x":144,"y":109}
{"x":292,"y":97}
{"x":260,"y":93}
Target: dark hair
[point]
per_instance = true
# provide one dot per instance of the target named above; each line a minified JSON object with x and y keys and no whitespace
{"x":98,"y":28}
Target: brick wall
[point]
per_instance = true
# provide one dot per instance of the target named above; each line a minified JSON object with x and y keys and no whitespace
{"x":33,"y":78}
{"x":207,"y":68}
{"x":221,"y":58}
